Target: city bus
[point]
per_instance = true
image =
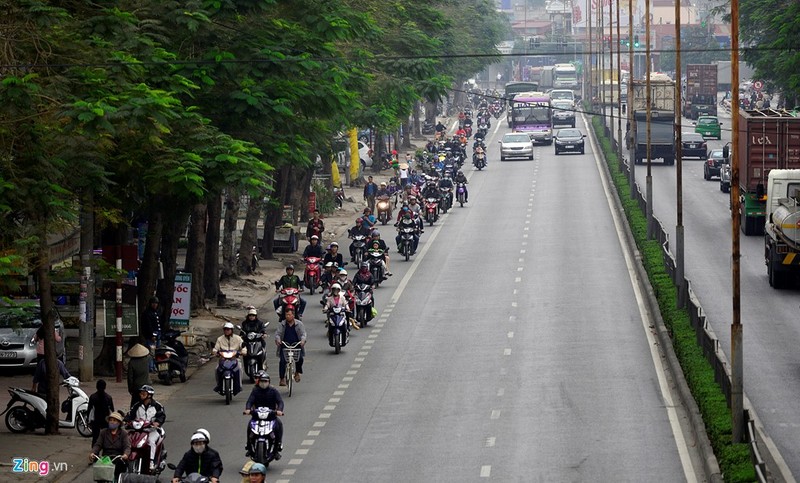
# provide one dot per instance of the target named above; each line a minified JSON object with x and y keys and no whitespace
{"x":532,"y":113}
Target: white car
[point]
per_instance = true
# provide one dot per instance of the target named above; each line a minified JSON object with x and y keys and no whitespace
{"x":516,"y":144}
{"x":364,"y":154}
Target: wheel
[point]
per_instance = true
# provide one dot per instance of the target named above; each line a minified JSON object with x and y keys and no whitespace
{"x":727,"y":188}
{"x":228,"y":391}
{"x":17,"y":420}
{"x":557,"y":153}
{"x":406,"y":252}
{"x":706,"y":175}
{"x":183,"y":376}
{"x":573,"y":124}
{"x":82,"y":424}
{"x":337,"y":344}
{"x":582,"y":150}
{"x":165,"y":379}
{"x":261,"y":453}
{"x":502,"y":158}
{"x":290,"y":377}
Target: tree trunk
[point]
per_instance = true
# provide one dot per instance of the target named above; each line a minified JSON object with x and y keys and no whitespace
{"x":431,"y":110}
{"x":211,"y":270}
{"x":148,"y":273}
{"x":249,"y":234}
{"x":407,"y":134}
{"x":301,"y":187}
{"x":275,"y":211}
{"x":196,"y":255}
{"x":173,"y":229}
{"x":415,"y":119}
{"x":232,"y":203}
{"x":48,"y":322}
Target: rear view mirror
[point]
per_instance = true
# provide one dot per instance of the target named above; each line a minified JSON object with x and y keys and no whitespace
{"x":726,"y":151}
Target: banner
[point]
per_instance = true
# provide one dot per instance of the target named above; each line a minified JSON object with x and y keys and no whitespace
{"x":181,"y":300}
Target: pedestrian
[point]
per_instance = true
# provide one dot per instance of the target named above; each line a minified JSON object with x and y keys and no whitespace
{"x":100,"y":406}
{"x":39,"y":338}
{"x":138,"y":370}
{"x":152,"y":327}
{"x":315,"y":226}
{"x":369,"y":193}
{"x":40,"y":383}
{"x":403,"y":174}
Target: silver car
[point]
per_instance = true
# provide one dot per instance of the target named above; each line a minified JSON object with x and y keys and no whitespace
{"x":516,"y":144}
{"x":18,"y":326}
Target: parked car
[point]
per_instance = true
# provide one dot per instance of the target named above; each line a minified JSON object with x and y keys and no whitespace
{"x":516,"y":144}
{"x":694,"y":146}
{"x":563,"y":112}
{"x":708,"y":127}
{"x":567,"y":140}
{"x":18,"y":326}
{"x":712,"y":166}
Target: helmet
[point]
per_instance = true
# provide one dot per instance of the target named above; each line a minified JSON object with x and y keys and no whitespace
{"x":359,"y":221}
{"x":376,"y":233}
{"x":154,"y":300}
{"x":258,"y":468}
{"x":263,"y":376}
{"x":314,"y":237}
{"x":343,"y":272}
{"x":367,"y":210}
{"x":252,"y":312}
{"x":227,"y":325}
{"x":198,"y":436}
{"x":148,"y":389}
{"x":204,"y":432}
{"x":334,"y":244}
{"x":290,"y":267}
{"x":364,"y":265}
{"x":460,"y":172}
{"x":405,"y":208}
{"x":329,"y":264}
{"x":336,"y":286}
{"x":383,"y":183}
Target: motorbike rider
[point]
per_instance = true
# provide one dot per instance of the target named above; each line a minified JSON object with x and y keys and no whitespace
{"x":148,"y":409}
{"x":416,"y":209}
{"x":337,"y":299}
{"x":430,"y":190}
{"x":333,"y":255}
{"x":264,"y":395}
{"x":383,"y":190}
{"x":113,"y":441}
{"x":201,"y":458}
{"x":406,"y":220}
{"x":257,"y":473}
{"x":364,"y":276}
{"x":290,"y":331}
{"x":461,"y":178}
{"x":229,"y":341}
{"x":361,"y":228}
{"x":328,"y":274}
{"x":290,"y":280}
{"x":252,"y":323}
{"x":380,"y":245}
{"x":447,"y":184}
{"x":369,"y":218}
{"x":440,"y":128}
{"x":314,"y":249}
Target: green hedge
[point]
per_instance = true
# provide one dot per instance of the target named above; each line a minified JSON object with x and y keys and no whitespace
{"x":734,"y":459}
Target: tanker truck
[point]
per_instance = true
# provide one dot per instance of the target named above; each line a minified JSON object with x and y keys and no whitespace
{"x":768,"y":140}
{"x":782,"y":230}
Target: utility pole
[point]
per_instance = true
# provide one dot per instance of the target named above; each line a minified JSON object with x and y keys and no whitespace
{"x":679,"y":261}
{"x":589,"y":61}
{"x":631,"y":120}
{"x":86,"y":303}
{"x":649,"y":178}
{"x":118,"y":361}
{"x":737,"y":347}
{"x":611,"y":74}
{"x":619,"y":88}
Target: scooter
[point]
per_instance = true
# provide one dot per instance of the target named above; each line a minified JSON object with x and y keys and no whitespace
{"x":338,"y":329}
{"x":461,"y":193}
{"x":256,"y":358}
{"x":375,"y":261}
{"x":171,"y":358}
{"x":446,"y":197}
{"x":191,"y":477}
{"x":338,"y":196}
{"x":262,"y":436}
{"x":289,"y":296}
{"x":407,"y":232}
{"x":431,"y":210}
{"x":479,"y":160}
{"x":229,"y":366}
{"x":363,"y":303}
{"x":384,"y":208}
{"x":312,"y":273}
{"x":359,"y":246}
{"x":26,"y":411}
{"x":139,"y":460}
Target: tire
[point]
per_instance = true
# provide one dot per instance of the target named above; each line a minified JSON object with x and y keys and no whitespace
{"x":406,"y":252}
{"x":165,"y":379}
{"x":82,"y":424}
{"x":261,"y":453}
{"x":183,"y":376}
{"x":557,"y":153}
{"x":573,"y":124}
{"x":17,"y":420}
{"x":228,"y":390}
{"x":337,"y":343}
{"x":502,"y":158}
{"x":583,"y":151}
{"x":706,"y":175}
{"x":289,"y":379}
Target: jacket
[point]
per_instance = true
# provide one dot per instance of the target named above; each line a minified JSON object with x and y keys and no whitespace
{"x":102,"y":404}
{"x":153,"y":412}
{"x":208,"y":463}
{"x":253,"y":326}
{"x":314,"y":251}
{"x":232,"y":343}
{"x":138,"y":373}
{"x":265,"y":398}
{"x":151,"y":323}
{"x":298,"y":327}
{"x":111,"y":444}
{"x":292,"y":281}
{"x":363,"y":278}
{"x":337,"y":259}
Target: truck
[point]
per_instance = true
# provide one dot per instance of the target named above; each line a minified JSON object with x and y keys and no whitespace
{"x":782,"y":228}
{"x":724,"y":74}
{"x":547,"y":78}
{"x":768,"y":140}
{"x":565,"y":76}
{"x":662,"y":119}
{"x":701,"y":91}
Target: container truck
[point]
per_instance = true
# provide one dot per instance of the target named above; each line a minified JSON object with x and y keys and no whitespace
{"x":701,"y":91}
{"x":565,"y":76}
{"x":662,"y":119}
{"x":768,"y":140}
{"x":782,"y":229}
{"x":547,"y":78}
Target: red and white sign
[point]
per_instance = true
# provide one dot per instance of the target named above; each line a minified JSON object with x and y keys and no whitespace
{"x":758,"y":85}
{"x":576,"y":14}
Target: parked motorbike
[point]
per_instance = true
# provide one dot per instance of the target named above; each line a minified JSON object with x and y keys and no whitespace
{"x":338,"y":196}
{"x":253,"y":258}
{"x":479,"y":160}
{"x":431,"y":210}
{"x":26,"y":411}
{"x":359,"y":247}
{"x":171,"y":358}
{"x":375,"y":260}
{"x":461,"y":193}
{"x":139,"y":459}
{"x":312,"y":273}
{"x":338,"y":330}
{"x":363,"y":303}
{"x":256,"y":358}
{"x":229,"y":366}
{"x":289,"y":297}
{"x":384,"y":209}
{"x":428,"y":127}
{"x":262,"y":435}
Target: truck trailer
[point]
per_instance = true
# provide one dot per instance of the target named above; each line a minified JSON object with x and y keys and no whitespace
{"x":701,"y":91}
{"x":662,"y":119}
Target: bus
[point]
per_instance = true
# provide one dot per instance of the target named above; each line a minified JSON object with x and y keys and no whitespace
{"x":532,"y":113}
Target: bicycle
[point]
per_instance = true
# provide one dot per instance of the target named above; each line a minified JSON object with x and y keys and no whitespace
{"x":291,"y":354}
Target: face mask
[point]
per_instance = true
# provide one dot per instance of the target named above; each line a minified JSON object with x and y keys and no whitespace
{"x":263,"y":385}
{"x":113,"y":425}
{"x":199,"y":448}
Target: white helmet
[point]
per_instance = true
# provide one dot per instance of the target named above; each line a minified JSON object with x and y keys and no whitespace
{"x":343,"y":272}
{"x":198,"y":436}
{"x":252,"y":312}
{"x":204,"y":432}
{"x":336,"y":286}
{"x":227,"y":325}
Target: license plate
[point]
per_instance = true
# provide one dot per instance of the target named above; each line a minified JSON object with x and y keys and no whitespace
{"x":163,"y":366}
{"x":708,"y":133}
{"x":569,"y":146}
{"x":8,"y":355}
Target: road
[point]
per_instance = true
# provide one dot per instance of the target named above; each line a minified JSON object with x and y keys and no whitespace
{"x":511,"y":347}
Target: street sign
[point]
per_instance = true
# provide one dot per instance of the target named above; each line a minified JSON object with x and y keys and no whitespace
{"x":181,"y":300}
{"x":758,"y":85}
{"x":130,"y":320}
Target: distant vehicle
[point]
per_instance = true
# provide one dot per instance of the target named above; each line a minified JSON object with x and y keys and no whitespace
{"x":569,"y":140}
{"x":561,"y":94}
{"x":708,"y":127}
{"x":565,"y":76}
{"x":725,"y":177}
{"x":516,"y":145}
{"x":662,"y":119}
{"x":563,"y":112}
{"x":694,"y":146}
{"x":514,"y":88}
{"x":701,"y":90}
{"x":782,"y":239}
{"x":18,"y":326}
{"x":714,"y":164}
{"x":531,"y":113}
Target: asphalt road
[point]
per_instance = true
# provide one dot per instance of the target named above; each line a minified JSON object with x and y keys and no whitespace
{"x":771,"y":333}
{"x":511,"y":347}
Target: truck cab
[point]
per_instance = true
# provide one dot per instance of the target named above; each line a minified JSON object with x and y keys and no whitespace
{"x":782,"y":229}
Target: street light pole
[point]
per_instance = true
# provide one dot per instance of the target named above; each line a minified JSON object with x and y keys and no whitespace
{"x":631,"y":120}
{"x":649,"y":178}
{"x":679,"y":261}
{"x":619,"y":88}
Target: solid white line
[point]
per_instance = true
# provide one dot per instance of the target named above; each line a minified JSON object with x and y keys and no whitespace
{"x":507,"y":351}
{"x":495,"y":414}
{"x":672,"y":415}
{"x":486,"y":471}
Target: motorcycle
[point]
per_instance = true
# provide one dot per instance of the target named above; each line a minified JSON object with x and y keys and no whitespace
{"x":256,"y":358}
{"x":363,"y":303}
{"x":338,"y":330}
{"x":428,"y":127}
{"x":431,"y":210}
{"x":375,"y":260}
{"x":384,"y":208}
{"x":407,"y":232}
{"x":289,"y":297}
{"x":229,"y":366}
{"x":479,"y":160}
{"x":262,"y":436}
{"x":338,"y":196}
{"x":139,"y":459}
{"x":191,"y":477}
{"x":468,"y":130}
{"x":461,"y":193}
{"x":26,"y":411}
{"x":171,"y":358}
{"x":311,"y":274}
{"x":359,"y":246}
{"x":446,"y":198}
{"x":483,"y":130}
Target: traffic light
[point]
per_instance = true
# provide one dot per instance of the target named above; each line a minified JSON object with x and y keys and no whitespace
{"x":636,"y":41}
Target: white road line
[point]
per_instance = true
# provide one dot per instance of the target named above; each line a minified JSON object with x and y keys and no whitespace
{"x":510,"y":335}
{"x":672,"y":415}
{"x":308,"y":442}
{"x":486,"y":471}
{"x":313,"y":433}
{"x":518,"y":279}
{"x":512,"y":318}
{"x":507,"y":351}
{"x":335,"y":400}
{"x":319,"y":424}
{"x":301,"y":452}
{"x":513,"y":304}
{"x":296,"y":461}
{"x":324,"y":415}
{"x":490,"y":442}
{"x":501,"y":392}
